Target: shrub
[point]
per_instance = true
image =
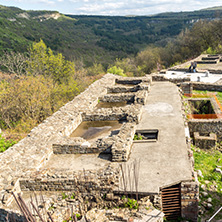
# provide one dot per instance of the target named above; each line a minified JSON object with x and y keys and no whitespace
{"x":5,"y":144}
{"x":116,"y":70}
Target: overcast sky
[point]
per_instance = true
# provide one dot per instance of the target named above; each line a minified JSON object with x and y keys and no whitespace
{"x":112,"y":7}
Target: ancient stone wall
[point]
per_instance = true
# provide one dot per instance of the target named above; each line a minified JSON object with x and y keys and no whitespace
{"x":174,"y":80}
{"x":124,"y":140}
{"x":130,"y":113}
{"x":133,"y":80}
{"x":86,"y":182}
{"x":115,"y":98}
{"x":35,"y":149}
{"x":205,"y":142}
{"x":189,"y":200}
{"x":206,"y":86}
{"x":187,"y":88}
{"x":106,"y":144}
{"x":206,"y":126}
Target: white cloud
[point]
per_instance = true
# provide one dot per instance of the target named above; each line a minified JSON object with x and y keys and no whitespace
{"x":114,"y":7}
{"x":48,"y":2}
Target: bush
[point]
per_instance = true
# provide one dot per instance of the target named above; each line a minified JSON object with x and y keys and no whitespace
{"x":5,"y":144}
{"x":116,"y":70}
{"x":131,"y":204}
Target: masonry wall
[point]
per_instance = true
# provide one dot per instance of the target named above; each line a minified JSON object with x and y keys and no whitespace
{"x":174,"y":80}
{"x":208,"y":87}
{"x":86,"y":182}
{"x":189,"y":200}
{"x":122,"y":147}
{"x":206,"y":126}
{"x":205,"y":142}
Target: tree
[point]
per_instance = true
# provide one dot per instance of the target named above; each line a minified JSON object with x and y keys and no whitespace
{"x":14,"y":63}
{"x":44,"y":62}
{"x":96,"y":69}
{"x":25,"y":99}
{"x":148,"y":59}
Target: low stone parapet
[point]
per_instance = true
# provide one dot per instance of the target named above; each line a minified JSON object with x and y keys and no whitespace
{"x":123,"y":143}
{"x":133,"y":80}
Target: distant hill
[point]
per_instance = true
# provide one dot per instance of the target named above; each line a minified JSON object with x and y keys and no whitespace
{"x":93,"y":38}
{"x":212,"y":8}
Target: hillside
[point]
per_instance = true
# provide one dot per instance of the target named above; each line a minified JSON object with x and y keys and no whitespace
{"x":92,"y":38}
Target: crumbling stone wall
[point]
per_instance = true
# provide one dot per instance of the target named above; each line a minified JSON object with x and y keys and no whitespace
{"x":189,"y":200}
{"x":133,"y":80}
{"x":86,"y":182}
{"x":115,"y":98}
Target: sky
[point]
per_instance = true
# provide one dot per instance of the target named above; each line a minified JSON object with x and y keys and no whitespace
{"x":112,"y":7}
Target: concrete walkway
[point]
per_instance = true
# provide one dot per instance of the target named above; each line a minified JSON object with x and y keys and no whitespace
{"x":165,"y":162}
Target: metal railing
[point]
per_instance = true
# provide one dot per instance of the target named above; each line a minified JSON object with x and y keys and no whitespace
{"x":214,"y":215}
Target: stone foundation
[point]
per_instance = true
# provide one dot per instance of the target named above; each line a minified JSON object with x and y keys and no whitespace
{"x":118,"y":145}
{"x":205,"y":142}
{"x":120,"y":97}
{"x":131,"y":113}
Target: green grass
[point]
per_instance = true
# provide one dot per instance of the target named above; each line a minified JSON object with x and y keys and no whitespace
{"x":219,"y":96}
{"x":207,"y":94}
{"x":207,"y":161}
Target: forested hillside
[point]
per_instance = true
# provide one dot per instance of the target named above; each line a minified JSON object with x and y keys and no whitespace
{"x":93,"y":38}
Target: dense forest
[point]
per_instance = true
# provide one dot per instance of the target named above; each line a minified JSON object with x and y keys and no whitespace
{"x":93,"y":39}
{"x":48,"y":58}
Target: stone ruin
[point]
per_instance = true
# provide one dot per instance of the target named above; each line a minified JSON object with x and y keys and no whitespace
{"x":22,"y":166}
{"x":118,"y":103}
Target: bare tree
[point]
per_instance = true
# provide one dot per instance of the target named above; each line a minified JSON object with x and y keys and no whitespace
{"x":14,"y":62}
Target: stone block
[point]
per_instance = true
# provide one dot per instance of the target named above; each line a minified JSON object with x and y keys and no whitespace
{"x":205,"y":142}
